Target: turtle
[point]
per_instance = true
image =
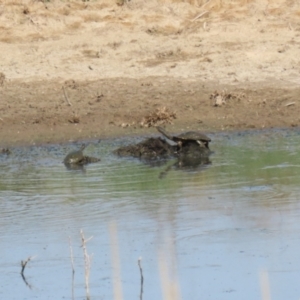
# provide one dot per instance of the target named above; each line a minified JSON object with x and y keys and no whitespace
{"x":75,"y":157}
{"x":187,"y":137}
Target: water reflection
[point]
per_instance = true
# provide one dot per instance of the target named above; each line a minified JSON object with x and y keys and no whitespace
{"x":209,"y":229}
{"x":187,"y":163}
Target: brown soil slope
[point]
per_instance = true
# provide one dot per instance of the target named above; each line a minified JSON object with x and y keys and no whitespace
{"x":75,"y":70}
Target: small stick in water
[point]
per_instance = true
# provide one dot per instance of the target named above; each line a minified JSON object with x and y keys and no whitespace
{"x":73,"y":269}
{"x":23,"y":265}
{"x":71,"y":255}
{"x":87,"y":263}
{"x":142,"y":277}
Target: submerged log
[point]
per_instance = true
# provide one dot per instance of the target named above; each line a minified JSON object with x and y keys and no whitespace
{"x":152,"y":148}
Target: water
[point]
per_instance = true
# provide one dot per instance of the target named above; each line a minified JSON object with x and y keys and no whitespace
{"x":228,"y":230}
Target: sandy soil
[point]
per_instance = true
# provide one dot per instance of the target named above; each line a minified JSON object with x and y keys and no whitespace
{"x":78,"y":70}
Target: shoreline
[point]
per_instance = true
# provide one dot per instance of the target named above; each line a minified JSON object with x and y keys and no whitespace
{"x":35,"y":113}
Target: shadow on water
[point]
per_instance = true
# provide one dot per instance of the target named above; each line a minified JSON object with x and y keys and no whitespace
{"x":225,"y":227}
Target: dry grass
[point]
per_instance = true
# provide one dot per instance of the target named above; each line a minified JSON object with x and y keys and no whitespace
{"x":74,"y":119}
{"x":169,"y":16}
{"x":2,"y":78}
{"x":74,"y":25}
{"x":159,"y":117}
{"x":221,"y":98}
{"x":92,"y":17}
{"x":91,"y":53}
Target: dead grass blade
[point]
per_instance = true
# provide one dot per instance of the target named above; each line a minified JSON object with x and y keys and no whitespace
{"x":159,"y":117}
{"x":221,"y":98}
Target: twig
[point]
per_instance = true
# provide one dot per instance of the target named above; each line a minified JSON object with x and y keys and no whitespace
{"x":66,"y":97}
{"x":87,"y":263}
{"x":200,"y":15}
{"x":290,"y":104}
{"x":73,"y":269}
{"x":142,"y":277}
{"x":23,"y":265}
{"x":205,"y":4}
{"x":71,"y":256}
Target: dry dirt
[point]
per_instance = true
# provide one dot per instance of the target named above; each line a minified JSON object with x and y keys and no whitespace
{"x":74,"y":70}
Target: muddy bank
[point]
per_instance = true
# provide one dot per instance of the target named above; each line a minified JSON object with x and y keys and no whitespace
{"x":60,"y":111}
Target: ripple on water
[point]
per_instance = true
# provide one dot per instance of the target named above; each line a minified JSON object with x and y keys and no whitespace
{"x":240,"y":213}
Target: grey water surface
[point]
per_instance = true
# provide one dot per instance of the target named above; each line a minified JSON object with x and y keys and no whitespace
{"x":227,"y":230}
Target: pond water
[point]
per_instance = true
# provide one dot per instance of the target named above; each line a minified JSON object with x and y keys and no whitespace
{"x":227,"y":230}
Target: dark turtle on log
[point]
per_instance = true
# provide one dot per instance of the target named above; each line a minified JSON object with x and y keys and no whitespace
{"x":187,"y":137}
{"x":77,"y":157}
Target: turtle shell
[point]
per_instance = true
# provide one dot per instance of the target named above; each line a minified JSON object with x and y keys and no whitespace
{"x":193,"y":136}
{"x":186,"y":137}
{"x":75,"y":157}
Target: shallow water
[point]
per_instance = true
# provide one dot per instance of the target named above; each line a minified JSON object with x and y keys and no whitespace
{"x":227,"y":230}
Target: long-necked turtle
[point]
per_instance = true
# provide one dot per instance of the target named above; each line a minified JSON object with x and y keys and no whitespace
{"x":75,"y":157}
{"x":187,"y":137}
